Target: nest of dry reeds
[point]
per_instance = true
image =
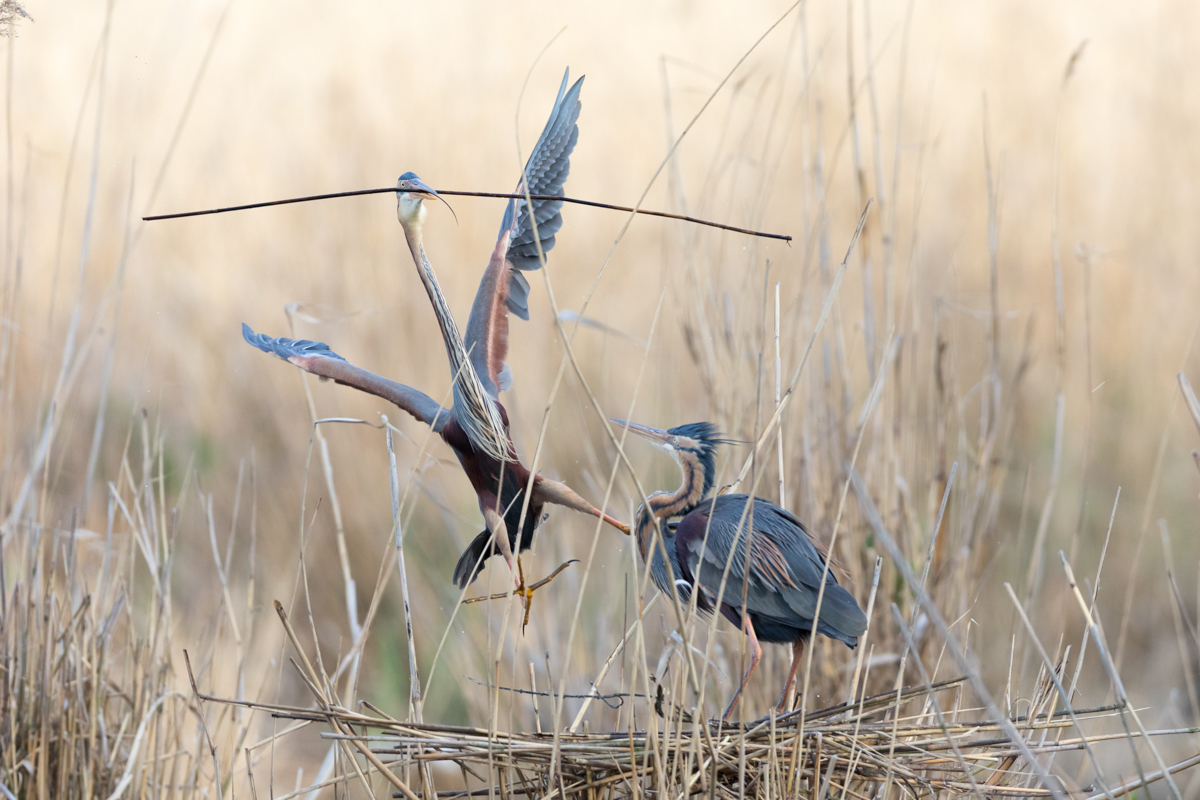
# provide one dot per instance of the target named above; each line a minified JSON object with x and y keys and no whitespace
{"x":896,"y":744}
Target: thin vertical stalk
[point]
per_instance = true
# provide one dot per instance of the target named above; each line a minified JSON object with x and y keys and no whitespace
{"x":414,"y":676}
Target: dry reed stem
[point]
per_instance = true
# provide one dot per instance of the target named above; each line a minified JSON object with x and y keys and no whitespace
{"x":1062,"y":692}
{"x":311,"y":678}
{"x":1148,"y":509}
{"x":1118,"y":686}
{"x":951,"y":643}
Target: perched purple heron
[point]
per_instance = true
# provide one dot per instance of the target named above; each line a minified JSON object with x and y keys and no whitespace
{"x":476,"y":425}
{"x":786,"y":563}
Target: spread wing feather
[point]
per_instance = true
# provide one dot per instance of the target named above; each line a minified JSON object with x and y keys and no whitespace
{"x":318,"y":359}
{"x":503,"y":287}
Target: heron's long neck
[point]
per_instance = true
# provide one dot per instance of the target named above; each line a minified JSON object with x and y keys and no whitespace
{"x":666,"y":505}
{"x":644,"y":526}
{"x":479,"y":417}
{"x":455,"y":350}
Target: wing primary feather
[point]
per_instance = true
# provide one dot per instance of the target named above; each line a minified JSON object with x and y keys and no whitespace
{"x":283,"y":348}
{"x":503,"y":289}
{"x":546,"y":172}
{"x":317,"y":359}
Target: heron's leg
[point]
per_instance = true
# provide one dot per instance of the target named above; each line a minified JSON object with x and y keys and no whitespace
{"x":523,"y":591}
{"x":557,"y":492}
{"x":755,"y":657}
{"x":797,"y":652}
{"x":499,"y":530}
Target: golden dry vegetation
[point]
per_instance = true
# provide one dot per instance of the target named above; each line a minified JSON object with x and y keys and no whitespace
{"x":1022,"y":299}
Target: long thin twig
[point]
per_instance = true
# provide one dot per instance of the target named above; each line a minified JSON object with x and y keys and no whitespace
{"x":453,"y":193}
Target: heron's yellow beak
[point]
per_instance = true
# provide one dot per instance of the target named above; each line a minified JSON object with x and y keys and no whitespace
{"x":418,"y":187}
{"x":412,"y":186}
{"x":655,"y":435}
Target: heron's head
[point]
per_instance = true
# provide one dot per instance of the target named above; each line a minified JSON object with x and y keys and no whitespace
{"x":411,"y":192}
{"x":693,"y":446}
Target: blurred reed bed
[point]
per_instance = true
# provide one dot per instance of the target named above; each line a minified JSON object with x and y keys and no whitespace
{"x":163,"y":484}
{"x":92,"y":702}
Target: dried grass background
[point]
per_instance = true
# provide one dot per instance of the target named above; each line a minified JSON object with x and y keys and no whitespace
{"x":985,"y":162}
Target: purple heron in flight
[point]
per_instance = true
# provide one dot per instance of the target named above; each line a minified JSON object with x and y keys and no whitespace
{"x":476,"y":425}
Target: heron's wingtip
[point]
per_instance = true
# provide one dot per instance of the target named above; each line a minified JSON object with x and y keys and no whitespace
{"x":286,"y":349}
{"x":562,"y":89}
{"x":259,"y":341}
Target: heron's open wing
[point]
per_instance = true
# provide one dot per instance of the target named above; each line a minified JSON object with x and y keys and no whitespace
{"x":784,"y":571}
{"x":317,"y":358}
{"x":503,"y":287}
{"x":546,"y":172}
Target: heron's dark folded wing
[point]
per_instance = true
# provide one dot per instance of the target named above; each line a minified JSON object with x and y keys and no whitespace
{"x":785,"y":565}
{"x":318,"y":359}
{"x":503,"y":287}
{"x":840,"y":615}
{"x":706,"y":559}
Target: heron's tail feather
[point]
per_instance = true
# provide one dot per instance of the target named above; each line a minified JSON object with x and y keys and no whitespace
{"x":471,"y":562}
{"x":841,"y":617}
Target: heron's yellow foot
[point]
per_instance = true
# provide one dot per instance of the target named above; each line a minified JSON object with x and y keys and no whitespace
{"x":522,"y":591}
{"x":526,"y":592}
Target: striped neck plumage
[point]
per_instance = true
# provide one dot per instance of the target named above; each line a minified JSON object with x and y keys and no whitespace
{"x":476,"y":412}
{"x":645,"y":524}
{"x":665,"y":505}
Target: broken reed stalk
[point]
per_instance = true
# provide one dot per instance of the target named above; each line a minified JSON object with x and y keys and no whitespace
{"x":935,"y":617}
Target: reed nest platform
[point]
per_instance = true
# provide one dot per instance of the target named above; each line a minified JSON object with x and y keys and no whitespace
{"x":887,"y":746}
